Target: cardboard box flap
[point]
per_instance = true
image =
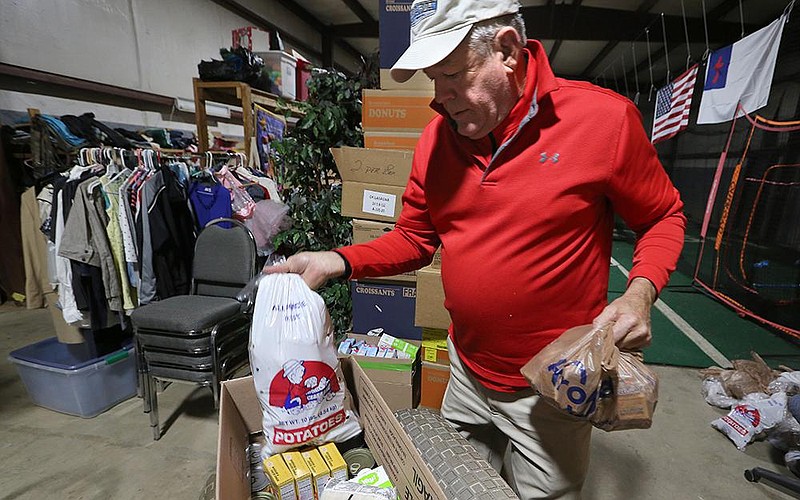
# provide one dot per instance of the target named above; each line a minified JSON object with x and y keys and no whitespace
{"x":376,"y":166}
{"x":390,"y":444}
{"x":239,"y":415}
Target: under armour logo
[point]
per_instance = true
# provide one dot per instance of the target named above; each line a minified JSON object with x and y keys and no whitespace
{"x":543,"y":157}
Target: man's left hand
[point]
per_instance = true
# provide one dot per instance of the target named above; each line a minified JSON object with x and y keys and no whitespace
{"x":631,"y":315}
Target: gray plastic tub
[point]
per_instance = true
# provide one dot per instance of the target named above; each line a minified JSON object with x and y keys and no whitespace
{"x":66,"y":379}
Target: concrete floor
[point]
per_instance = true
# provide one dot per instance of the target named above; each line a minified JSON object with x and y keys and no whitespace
{"x":113,"y":456}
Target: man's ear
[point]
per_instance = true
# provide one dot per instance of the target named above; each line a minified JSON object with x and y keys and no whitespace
{"x":507,"y":41}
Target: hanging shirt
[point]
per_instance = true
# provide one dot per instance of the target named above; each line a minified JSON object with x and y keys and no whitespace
{"x":210,"y":201}
{"x":66,"y":297}
{"x":115,"y":239}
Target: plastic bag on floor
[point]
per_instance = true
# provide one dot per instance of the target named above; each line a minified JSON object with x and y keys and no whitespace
{"x":785,"y":435}
{"x":747,"y":421}
{"x":583,"y":373}
{"x":788,"y":382}
{"x":746,"y":377}
{"x":714,"y":393}
{"x":295,"y":367}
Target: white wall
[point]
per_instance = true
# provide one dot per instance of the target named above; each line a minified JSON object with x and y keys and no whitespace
{"x":149,"y":45}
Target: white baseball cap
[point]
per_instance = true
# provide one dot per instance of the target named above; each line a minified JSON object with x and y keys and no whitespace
{"x":439,"y":26}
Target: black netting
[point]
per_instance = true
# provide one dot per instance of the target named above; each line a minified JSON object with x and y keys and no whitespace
{"x":751,"y":250}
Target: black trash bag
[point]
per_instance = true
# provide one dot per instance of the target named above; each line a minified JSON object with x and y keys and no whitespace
{"x":238,"y":65}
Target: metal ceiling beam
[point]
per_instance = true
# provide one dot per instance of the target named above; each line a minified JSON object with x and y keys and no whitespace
{"x":600,"y":24}
{"x":716,"y":13}
{"x":610,"y":46}
{"x":309,"y":18}
{"x":359,"y":10}
{"x":576,"y":5}
{"x":356,"y":30}
{"x":263,"y":23}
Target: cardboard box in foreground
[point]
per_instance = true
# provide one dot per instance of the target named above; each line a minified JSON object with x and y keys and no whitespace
{"x":240,"y":416}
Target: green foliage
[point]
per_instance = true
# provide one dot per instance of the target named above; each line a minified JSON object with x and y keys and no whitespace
{"x":310,"y":182}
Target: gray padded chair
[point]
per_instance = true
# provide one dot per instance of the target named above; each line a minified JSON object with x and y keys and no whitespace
{"x":202,"y":337}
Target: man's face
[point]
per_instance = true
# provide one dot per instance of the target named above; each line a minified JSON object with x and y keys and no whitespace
{"x":476,"y":92}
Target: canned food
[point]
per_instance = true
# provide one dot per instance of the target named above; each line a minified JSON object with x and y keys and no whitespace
{"x":258,"y":479}
{"x":357,"y":459}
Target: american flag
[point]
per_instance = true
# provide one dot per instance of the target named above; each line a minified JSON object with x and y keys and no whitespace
{"x":673,"y":103}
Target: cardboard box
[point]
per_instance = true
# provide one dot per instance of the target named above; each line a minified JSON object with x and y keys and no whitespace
{"x":393,"y":39}
{"x":396,"y":110}
{"x":430,"y":311}
{"x":434,"y":383}
{"x":419,"y":81}
{"x":240,"y":416}
{"x":398,"y":380}
{"x":373,"y":181}
{"x":384,"y":306}
{"x":394,"y":30}
{"x":282,"y":70}
{"x":320,"y":472}
{"x":252,"y":38}
{"x":280,"y":477}
{"x":334,"y":461}
{"x":391,"y":139}
{"x":365,"y":231}
{"x":434,"y":346}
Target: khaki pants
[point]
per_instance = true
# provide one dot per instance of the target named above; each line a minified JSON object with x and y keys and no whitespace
{"x":38,"y":292}
{"x":34,"y":246}
{"x":549,"y":450}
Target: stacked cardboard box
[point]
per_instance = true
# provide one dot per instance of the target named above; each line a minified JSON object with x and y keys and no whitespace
{"x":435,"y":320}
{"x":373,"y":182}
{"x":394,"y":36}
{"x":394,"y":119}
{"x":365,"y":231}
{"x":398,"y":380}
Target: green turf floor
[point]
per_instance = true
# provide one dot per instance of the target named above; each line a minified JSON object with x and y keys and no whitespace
{"x":734,"y":336}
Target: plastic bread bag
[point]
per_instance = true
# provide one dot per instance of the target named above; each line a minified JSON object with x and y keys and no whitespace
{"x":584,"y":374}
{"x":748,"y":421}
{"x":295,"y":367}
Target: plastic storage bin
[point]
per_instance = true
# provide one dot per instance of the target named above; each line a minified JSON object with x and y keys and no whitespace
{"x":65,"y":378}
{"x":281,"y":68}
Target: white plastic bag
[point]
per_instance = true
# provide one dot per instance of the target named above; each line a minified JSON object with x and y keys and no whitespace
{"x":746,"y":421}
{"x":295,"y":368}
{"x":714,"y":393}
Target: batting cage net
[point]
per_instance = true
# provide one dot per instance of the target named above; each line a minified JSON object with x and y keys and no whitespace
{"x":740,"y":183}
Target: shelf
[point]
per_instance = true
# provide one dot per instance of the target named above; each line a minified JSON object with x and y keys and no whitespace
{"x":232,"y":94}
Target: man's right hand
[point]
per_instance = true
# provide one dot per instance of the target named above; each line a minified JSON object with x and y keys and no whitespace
{"x":314,"y":267}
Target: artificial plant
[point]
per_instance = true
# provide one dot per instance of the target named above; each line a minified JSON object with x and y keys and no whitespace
{"x":310,"y":182}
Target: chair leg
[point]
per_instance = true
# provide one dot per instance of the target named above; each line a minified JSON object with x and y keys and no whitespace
{"x":141,"y":369}
{"x":154,"y":425}
{"x":215,"y":390}
{"x":147,"y":387}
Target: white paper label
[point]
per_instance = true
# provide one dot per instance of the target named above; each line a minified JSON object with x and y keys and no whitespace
{"x":378,"y":203}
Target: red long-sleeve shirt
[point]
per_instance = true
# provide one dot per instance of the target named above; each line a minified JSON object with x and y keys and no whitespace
{"x":524,"y":217}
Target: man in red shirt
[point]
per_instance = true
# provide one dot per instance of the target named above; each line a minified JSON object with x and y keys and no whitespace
{"x":518,"y":181}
